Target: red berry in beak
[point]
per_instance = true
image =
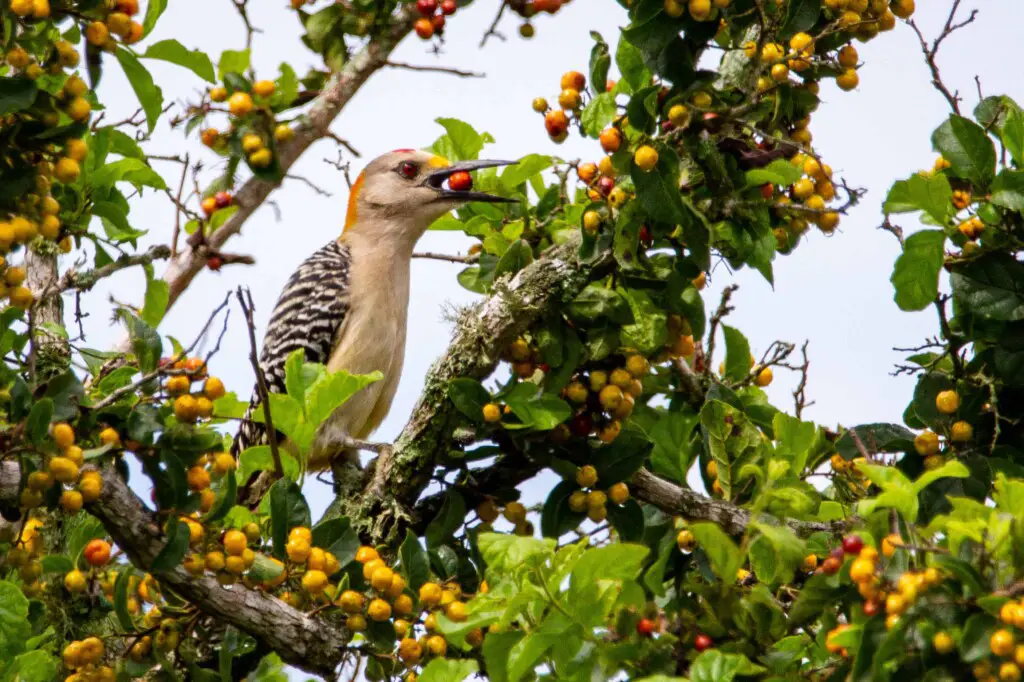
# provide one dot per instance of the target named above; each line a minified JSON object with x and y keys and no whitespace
{"x":460,"y":181}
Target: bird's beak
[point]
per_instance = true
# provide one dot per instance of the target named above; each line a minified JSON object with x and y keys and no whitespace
{"x":437,"y":179}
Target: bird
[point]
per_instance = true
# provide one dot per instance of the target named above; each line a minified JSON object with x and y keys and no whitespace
{"x":346,"y":305}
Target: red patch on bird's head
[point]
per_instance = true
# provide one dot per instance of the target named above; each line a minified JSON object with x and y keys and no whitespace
{"x":352,"y":214}
{"x":402,"y":151}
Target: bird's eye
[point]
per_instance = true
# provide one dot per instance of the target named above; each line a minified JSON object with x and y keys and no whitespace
{"x":407,"y":170}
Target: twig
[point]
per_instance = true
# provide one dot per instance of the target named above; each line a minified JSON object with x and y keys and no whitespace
{"x":163,"y":367}
{"x":930,"y":52}
{"x":896,"y":230}
{"x":357,"y":444}
{"x":179,"y":206}
{"x":435,"y":69}
{"x":800,"y":392}
{"x":723,"y":309}
{"x":319,"y":190}
{"x":344,"y":143}
{"x":493,"y":30}
{"x":83,"y":281}
{"x":261,"y":381}
{"x":471,"y":258}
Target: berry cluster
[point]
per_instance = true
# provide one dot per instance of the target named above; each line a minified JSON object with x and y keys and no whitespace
{"x":432,"y":17}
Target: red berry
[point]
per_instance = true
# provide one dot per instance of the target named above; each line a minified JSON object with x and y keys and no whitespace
{"x":609,"y":85}
{"x":645,"y":235}
{"x":767,"y":190}
{"x":852,"y":544}
{"x":214,"y":263}
{"x":556,"y":122}
{"x":223,"y":199}
{"x":582,"y":425}
{"x":424,"y":28}
{"x":702,"y":642}
{"x":831,"y":566}
{"x":645,"y":628}
{"x":871,"y":607}
{"x":449,"y":7}
{"x":667,"y":126}
{"x":605,"y":185}
{"x":438,"y":23}
{"x":460,"y":181}
{"x":544,"y":367}
{"x":426,"y":7}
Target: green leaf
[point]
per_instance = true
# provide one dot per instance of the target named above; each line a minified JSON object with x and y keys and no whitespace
{"x":146,"y":343}
{"x":496,"y":649}
{"x":951,"y":469}
{"x":56,"y":563}
{"x":649,"y":331}
{"x":462,"y":142}
{"x":174,"y":52}
{"x":260,"y":458}
{"x":801,"y":15}
{"x":288,"y":509}
{"x":505,"y":552}
{"x":1008,"y":190}
{"x":818,"y":594}
{"x":34,"y":666}
{"x":600,"y":62}
{"x":232,"y":61}
{"x":658,"y":189}
{"x":898,"y":492}
{"x":874,"y":438}
{"x":173,"y":552}
{"x":294,"y":382}
{"x":124,"y":579}
{"x":151,"y":98}
{"x":794,"y":440}
{"x":556,"y":518}
{"x":448,"y":670}
{"x":516,"y":257}
{"x":737,"y":354}
{"x":673,"y":451}
{"x":448,"y":520}
{"x":715,"y":666}
{"x":154,"y":8}
{"x":526,"y":168}
{"x":158,"y":295}
{"x":337,"y":537}
{"x":597,"y":301}
{"x":621,"y":561}
{"x":415,"y":564}
{"x":1012,"y":134}
{"x":974,"y":642}
{"x":328,"y":394}
{"x":931,"y":194}
{"x":631,"y":65}
{"x":38,"y":422}
{"x":968,"y":148}
{"x":134,"y":171}
{"x":14,"y":627}
{"x":469,"y":397}
{"x":991,"y":287}
{"x":598,"y":113}
{"x":235,"y":644}
{"x":723,"y":553}
{"x":16,"y":93}
{"x":778,"y":172}
{"x":916,"y":273}
{"x":536,"y":409}
{"x":789,"y":549}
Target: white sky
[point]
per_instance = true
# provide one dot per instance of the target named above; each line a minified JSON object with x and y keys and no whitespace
{"x":833,"y":291}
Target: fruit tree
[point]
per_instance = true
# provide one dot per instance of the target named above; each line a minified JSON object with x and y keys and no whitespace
{"x":696,"y":531}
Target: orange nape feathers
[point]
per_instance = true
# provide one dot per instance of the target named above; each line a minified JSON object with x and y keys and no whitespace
{"x":352,"y":214}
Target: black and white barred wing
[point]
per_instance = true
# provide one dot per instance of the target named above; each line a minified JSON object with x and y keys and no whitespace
{"x":308,"y":315}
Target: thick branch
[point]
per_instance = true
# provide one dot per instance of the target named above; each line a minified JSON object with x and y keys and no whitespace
{"x":338,"y":91}
{"x":672,"y":499}
{"x":399,"y":477}
{"x":87,"y":279}
{"x":306,"y":642}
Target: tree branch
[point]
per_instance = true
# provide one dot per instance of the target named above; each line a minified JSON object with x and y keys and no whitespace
{"x":677,"y":501}
{"x":261,"y":381}
{"x":308,"y":643}
{"x":435,"y":69}
{"x":87,"y":279}
{"x":394,"y":484}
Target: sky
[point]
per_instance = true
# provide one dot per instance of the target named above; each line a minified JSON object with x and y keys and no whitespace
{"x":833,"y":291}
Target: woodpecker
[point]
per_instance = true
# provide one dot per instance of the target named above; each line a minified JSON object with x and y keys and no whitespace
{"x":347,"y":304}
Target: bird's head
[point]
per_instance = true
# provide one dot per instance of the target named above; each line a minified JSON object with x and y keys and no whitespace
{"x":402,"y":192}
